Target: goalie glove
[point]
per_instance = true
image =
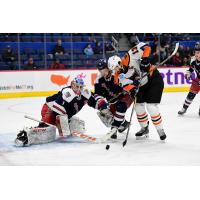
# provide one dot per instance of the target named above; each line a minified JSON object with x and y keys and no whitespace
{"x":188,"y":75}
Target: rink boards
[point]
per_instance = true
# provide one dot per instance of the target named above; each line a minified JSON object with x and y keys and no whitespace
{"x":43,"y":83}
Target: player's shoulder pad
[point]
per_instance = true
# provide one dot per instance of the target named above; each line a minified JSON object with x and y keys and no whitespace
{"x":192,"y":60}
{"x":68,"y":94}
{"x":86,"y":93}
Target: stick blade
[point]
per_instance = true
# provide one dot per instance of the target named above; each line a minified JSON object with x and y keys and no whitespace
{"x":124,"y":143}
{"x":176,"y":48}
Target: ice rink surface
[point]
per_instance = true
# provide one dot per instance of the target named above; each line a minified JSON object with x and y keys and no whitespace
{"x":182,"y":146}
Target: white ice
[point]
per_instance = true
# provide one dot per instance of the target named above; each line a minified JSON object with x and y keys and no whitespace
{"x":182,"y":146}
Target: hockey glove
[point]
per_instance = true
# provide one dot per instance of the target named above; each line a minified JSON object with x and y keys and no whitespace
{"x":145,"y":64}
{"x":133,"y":92}
{"x":102,"y":104}
{"x":188,"y":75}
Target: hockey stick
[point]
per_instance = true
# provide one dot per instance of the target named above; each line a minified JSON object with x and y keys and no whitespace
{"x":127,"y":134}
{"x":74,"y":133}
{"x":173,"y":53}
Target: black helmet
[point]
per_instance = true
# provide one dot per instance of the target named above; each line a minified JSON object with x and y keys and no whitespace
{"x":197,"y":46}
{"x":101,"y":64}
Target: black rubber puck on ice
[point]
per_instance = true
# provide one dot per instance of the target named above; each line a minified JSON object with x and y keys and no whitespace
{"x":107,"y":147}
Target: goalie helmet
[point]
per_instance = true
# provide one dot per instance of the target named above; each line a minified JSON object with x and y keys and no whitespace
{"x":77,"y":85}
{"x":113,"y":62}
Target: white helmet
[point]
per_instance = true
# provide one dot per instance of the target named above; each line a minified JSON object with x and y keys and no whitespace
{"x":113,"y":62}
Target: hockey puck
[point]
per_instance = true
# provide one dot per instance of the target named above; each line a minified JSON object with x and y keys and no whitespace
{"x":107,"y":147}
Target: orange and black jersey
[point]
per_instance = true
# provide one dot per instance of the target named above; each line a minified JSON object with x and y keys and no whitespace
{"x":142,"y":50}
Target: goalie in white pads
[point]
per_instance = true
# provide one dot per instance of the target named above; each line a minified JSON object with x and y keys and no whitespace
{"x":59,"y":110}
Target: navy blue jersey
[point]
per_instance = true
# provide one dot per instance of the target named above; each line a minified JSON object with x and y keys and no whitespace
{"x":106,"y":88}
{"x":67,"y":102}
{"x":195,"y":66}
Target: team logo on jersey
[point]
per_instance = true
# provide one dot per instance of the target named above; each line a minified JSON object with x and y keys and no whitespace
{"x":68,"y":94}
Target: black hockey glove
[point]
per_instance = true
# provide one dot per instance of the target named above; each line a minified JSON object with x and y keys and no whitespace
{"x":188,"y":75}
{"x":133,"y":92}
{"x":145,"y":64}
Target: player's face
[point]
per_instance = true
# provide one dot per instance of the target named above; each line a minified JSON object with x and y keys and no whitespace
{"x":117,"y":69}
{"x":197,"y":55}
{"x":105,"y":72}
{"x":77,"y":88}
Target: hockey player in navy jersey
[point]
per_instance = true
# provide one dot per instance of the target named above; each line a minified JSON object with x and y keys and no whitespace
{"x":59,"y":110}
{"x":107,"y":87}
{"x":195,"y":87}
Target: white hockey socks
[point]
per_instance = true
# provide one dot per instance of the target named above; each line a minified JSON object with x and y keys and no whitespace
{"x":142,"y":115}
{"x":156,"y":118}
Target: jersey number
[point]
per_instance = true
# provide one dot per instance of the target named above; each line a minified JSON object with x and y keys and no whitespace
{"x":134,"y":50}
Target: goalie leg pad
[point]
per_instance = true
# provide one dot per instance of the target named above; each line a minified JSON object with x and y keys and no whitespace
{"x":35,"y":135}
{"x":77,"y":125}
{"x":62,"y":124}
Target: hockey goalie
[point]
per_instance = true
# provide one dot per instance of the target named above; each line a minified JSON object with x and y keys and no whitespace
{"x":58,"y":113}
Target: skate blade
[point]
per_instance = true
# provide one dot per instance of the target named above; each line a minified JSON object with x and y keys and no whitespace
{"x":144,"y":137}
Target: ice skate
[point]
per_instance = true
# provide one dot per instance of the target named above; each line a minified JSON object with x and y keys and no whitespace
{"x":162,"y":134}
{"x":22,"y":139}
{"x":112,"y":134}
{"x":123,"y":126}
{"x":143,"y":133}
{"x":182,"y":111}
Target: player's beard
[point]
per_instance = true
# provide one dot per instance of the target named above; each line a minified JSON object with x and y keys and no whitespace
{"x":108,"y":76}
